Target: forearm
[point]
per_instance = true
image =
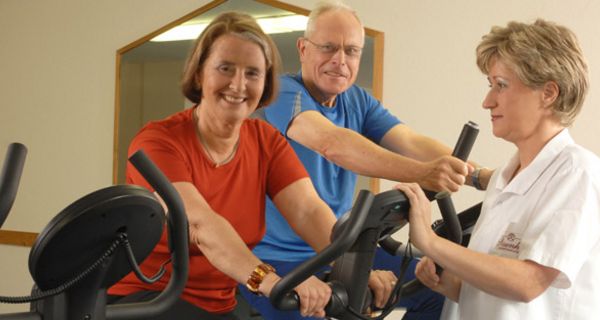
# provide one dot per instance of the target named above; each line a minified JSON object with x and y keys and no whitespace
{"x":449,"y":286}
{"x":315,"y":228}
{"x":224,"y":248}
{"x":518,"y":280}
{"x":215,"y":236}
{"x":402,"y":140}
{"x":352,"y":151}
{"x":306,"y":213}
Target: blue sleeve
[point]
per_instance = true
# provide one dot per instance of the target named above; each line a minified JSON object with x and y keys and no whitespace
{"x":293,"y":99}
{"x":378,"y":120}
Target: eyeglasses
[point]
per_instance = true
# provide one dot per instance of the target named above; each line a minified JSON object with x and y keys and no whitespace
{"x":330,"y":49}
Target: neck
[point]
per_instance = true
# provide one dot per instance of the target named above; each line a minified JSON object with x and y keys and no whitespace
{"x":219,"y":140}
{"x":324,"y":99}
{"x":530,"y":148}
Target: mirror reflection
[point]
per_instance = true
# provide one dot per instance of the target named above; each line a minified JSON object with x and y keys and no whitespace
{"x":149,"y":73}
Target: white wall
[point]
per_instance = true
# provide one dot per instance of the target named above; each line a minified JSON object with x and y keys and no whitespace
{"x":57,"y":78}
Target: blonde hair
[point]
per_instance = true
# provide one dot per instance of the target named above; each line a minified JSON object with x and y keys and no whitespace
{"x":241,"y":25}
{"x":538,"y":53}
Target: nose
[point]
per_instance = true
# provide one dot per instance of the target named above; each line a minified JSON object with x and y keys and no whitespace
{"x":339,"y":56}
{"x":238,"y":81}
{"x":489,"y":101}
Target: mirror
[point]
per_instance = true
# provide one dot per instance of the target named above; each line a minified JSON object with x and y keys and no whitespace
{"x":149,"y":71}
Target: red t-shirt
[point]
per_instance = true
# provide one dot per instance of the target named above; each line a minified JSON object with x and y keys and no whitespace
{"x":263,"y":165}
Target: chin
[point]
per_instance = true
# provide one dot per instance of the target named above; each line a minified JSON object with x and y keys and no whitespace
{"x":503,"y":135}
{"x":337,"y":88}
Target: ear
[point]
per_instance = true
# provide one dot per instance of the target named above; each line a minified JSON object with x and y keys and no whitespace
{"x":301,"y":46}
{"x":550,"y":93}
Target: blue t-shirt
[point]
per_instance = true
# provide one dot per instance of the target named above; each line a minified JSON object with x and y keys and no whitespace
{"x":354,"y":109}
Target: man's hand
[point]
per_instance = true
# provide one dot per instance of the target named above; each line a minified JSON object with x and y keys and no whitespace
{"x":382,"y":283}
{"x":446,"y":173}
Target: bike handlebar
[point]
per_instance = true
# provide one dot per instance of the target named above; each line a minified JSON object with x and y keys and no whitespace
{"x":14,"y":161}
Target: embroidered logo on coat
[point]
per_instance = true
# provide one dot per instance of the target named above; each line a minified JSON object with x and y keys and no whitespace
{"x":510,"y":242}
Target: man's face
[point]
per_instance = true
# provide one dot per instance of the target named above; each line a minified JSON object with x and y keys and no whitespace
{"x":330,"y":55}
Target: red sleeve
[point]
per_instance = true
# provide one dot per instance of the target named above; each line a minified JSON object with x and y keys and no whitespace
{"x":164,"y":151}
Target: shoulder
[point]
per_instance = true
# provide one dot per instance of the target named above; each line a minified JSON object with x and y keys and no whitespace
{"x":173,"y":123}
{"x":261,"y":131}
{"x":575,"y":170}
{"x":173,"y":130}
{"x":291,"y":82}
{"x":576,"y":157}
{"x":359,"y":97}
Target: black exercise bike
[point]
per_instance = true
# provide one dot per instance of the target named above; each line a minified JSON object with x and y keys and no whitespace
{"x":96,"y":241}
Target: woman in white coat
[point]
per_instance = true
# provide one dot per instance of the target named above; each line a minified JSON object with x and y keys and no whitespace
{"x":535,"y":250}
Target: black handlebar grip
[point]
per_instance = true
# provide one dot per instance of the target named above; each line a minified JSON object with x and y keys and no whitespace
{"x":466,"y":140}
{"x":451,"y":222}
{"x":463,"y":147}
{"x":290,"y":301}
{"x":10,"y":177}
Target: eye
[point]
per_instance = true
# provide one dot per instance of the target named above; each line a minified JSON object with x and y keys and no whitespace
{"x":353,"y":51}
{"x":225,"y":68}
{"x":328,"y":48}
{"x":254,"y":74}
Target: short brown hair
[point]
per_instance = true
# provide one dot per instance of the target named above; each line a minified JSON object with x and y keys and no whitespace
{"x":540,"y":52}
{"x":241,"y":25}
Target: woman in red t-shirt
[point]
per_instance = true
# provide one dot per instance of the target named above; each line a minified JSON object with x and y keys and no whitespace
{"x":224,"y":165}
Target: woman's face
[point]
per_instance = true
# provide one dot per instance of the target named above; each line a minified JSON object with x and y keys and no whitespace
{"x":518,"y":112}
{"x":232,"y":78}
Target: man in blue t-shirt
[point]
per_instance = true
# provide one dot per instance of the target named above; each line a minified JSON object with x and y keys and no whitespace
{"x":338,"y":130}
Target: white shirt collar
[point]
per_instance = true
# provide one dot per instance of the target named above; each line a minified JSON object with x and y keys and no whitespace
{"x":527,"y":177}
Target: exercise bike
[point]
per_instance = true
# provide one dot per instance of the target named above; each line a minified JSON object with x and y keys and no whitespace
{"x":97,"y":240}
{"x":372,"y":221}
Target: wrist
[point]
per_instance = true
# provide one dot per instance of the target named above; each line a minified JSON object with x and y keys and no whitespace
{"x":257,"y":276}
{"x":476,"y":179}
{"x":268,"y":283}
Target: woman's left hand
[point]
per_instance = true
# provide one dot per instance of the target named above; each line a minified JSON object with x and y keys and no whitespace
{"x":426,"y":273}
{"x":382,"y":283}
{"x":420,"y":233}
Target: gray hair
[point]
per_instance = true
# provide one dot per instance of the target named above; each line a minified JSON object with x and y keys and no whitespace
{"x":326,"y":6}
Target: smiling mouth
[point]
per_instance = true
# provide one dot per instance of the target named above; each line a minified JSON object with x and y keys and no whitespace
{"x":335,"y":74}
{"x":232,"y":99}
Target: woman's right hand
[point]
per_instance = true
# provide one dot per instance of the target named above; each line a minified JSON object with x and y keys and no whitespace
{"x":314,"y":294}
{"x":447,"y":283}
